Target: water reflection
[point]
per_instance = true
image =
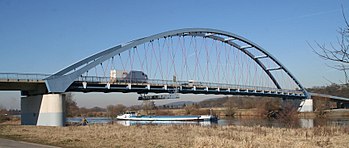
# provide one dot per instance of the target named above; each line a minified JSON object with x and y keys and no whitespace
{"x":252,"y":121}
{"x":306,"y":123}
{"x":344,"y":121}
{"x":90,"y":120}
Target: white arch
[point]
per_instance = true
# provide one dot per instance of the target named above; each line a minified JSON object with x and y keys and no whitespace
{"x":60,"y":81}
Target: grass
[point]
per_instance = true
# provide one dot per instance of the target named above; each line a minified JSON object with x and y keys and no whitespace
{"x":107,"y":135}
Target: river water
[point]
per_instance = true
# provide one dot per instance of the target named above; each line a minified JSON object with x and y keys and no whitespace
{"x":304,"y":123}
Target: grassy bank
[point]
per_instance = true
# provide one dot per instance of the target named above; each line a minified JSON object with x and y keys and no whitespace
{"x":178,"y":136}
{"x":252,"y":112}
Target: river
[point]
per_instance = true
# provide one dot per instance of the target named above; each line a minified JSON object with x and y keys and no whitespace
{"x":251,"y":121}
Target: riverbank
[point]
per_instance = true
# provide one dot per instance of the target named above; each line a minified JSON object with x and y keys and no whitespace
{"x":108,"y":135}
{"x":252,"y":112}
{"x":334,"y":113}
{"x":219,"y":111}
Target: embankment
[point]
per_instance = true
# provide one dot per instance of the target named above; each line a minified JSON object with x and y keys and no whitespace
{"x":107,"y":135}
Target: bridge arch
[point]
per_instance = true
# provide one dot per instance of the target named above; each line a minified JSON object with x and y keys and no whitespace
{"x":60,"y":81}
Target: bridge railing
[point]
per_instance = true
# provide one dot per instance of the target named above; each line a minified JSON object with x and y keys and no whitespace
{"x":33,"y":77}
{"x":159,"y":82}
{"x":30,"y":77}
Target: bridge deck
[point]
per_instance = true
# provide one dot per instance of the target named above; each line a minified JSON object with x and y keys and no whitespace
{"x":35,"y":83}
{"x":78,"y":86}
{"x":330,"y":96}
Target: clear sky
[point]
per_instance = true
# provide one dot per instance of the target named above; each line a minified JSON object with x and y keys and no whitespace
{"x":41,"y":36}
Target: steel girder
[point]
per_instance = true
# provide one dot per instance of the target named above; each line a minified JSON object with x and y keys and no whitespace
{"x":60,"y":81}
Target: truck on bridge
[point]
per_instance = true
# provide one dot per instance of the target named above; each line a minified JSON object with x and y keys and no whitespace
{"x":124,"y":76}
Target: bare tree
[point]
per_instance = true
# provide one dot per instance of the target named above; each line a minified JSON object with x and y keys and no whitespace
{"x":147,"y":106}
{"x":114,"y":110}
{"x":230,"y":107}
{"x":3,"y":114}
{"x":191,"y":109}
{"x":72,"y":108}
{"x":288,"y":115}
{"x":119,"y":108}
{"x":338,"y":54}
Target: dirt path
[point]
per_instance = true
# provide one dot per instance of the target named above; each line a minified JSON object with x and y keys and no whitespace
{"x":6,"y":143}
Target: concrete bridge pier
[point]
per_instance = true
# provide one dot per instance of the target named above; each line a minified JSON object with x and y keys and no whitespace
{"x":43,"y":110}
{"x":306,"y":106}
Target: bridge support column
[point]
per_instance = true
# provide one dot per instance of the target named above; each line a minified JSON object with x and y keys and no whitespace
{"x":43,"y":110}
{"x":306,"y":106}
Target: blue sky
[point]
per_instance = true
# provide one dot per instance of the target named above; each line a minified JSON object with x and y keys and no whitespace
{"x":42,"y":36}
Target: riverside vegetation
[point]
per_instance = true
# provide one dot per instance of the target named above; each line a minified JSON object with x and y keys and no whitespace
{"x":114,"y":135}
{"x":225,"y":106}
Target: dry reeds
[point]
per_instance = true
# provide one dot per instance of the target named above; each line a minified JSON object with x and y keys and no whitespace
{"x":106,"y":135}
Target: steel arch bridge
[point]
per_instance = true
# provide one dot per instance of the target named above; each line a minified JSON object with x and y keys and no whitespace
{"x":199,"y":61}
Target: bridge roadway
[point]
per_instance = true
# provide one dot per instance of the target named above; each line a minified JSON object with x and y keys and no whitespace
{"x":34,"y":84}
{"x":104,"y":84}
{"x":28,"y":84}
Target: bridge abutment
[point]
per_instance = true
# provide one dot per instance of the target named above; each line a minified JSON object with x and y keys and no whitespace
{"x":43,"y":110}
{"x":306,"y":106}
